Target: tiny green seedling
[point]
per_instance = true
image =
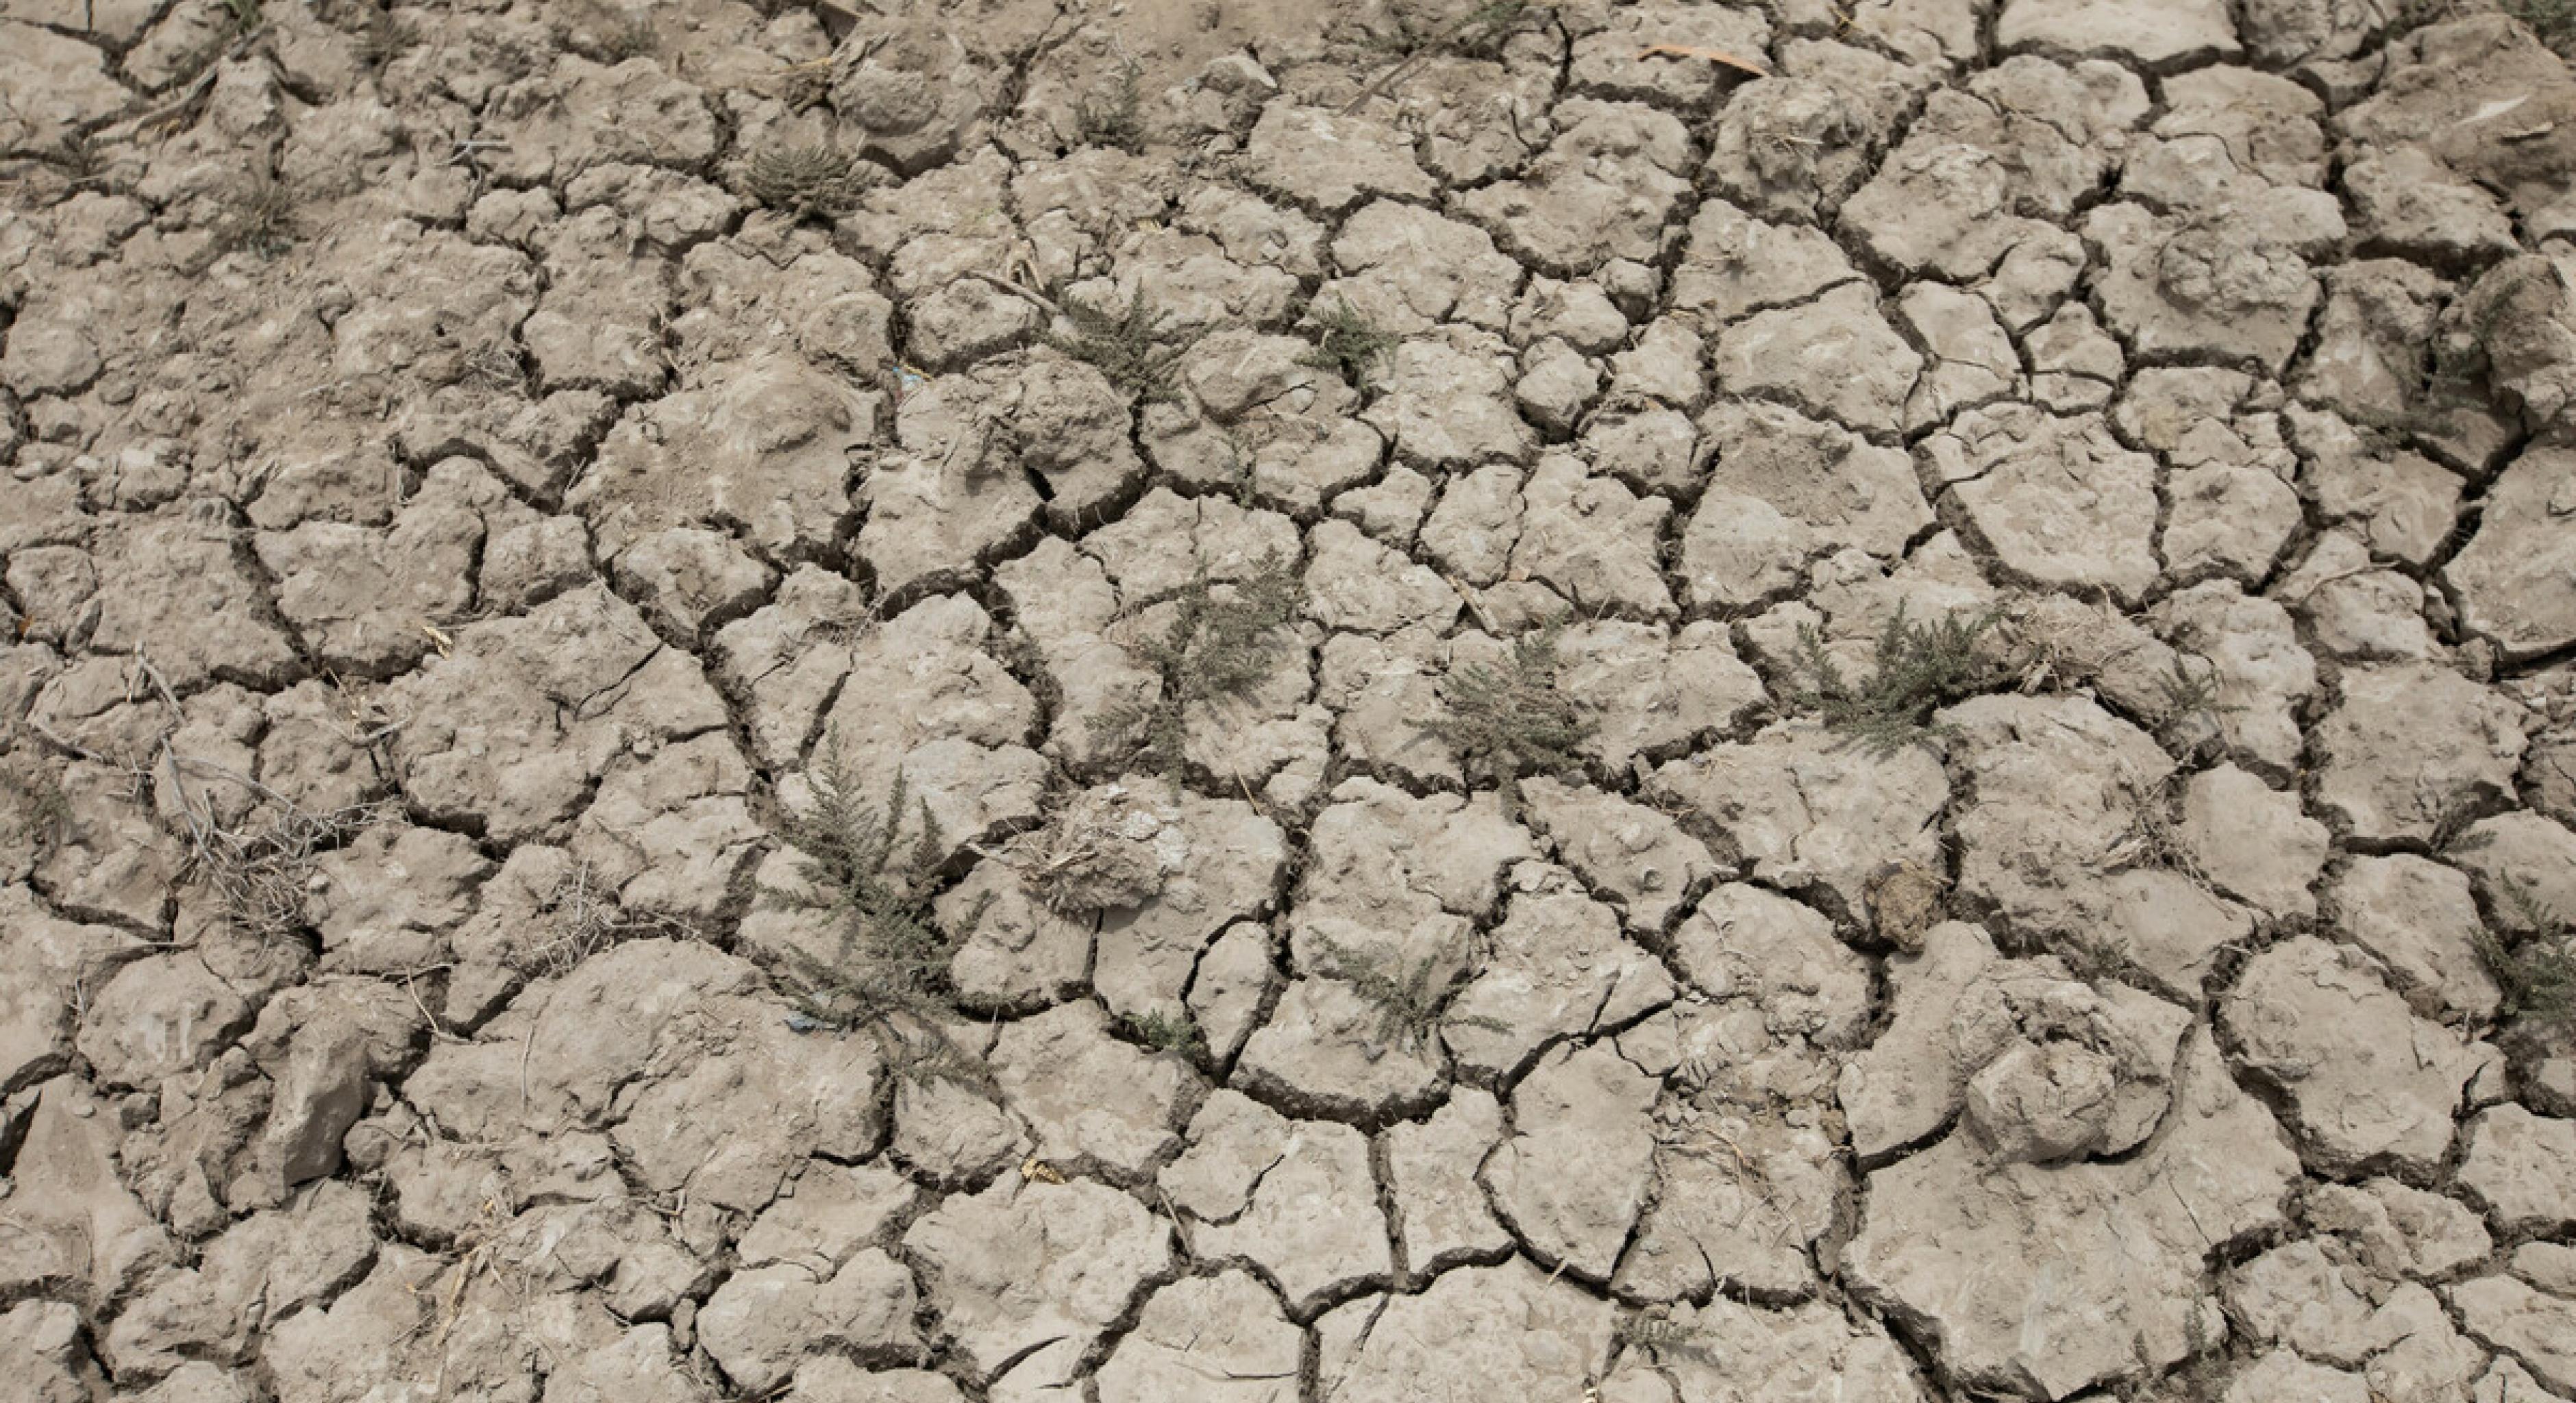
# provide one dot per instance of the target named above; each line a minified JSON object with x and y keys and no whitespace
{"x":1638,"y":1330}
{"x":44,"y":812}
{"x":1478,"y":33}
{"x":630,"y":36}
{"x":2187,"y":694}
{"x":2553,"y":21}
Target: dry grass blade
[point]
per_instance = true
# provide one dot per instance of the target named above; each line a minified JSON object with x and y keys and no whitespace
{"x":1712,"y":55}
{"x":585,"y":918}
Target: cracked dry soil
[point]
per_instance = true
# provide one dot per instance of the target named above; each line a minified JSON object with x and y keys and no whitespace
{"x":481,"y":473}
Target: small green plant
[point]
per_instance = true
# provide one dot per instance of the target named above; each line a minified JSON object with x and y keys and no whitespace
{"x":1219,"y":645}
{"x":1917,"y":669}
{"x":244,"y":14}
{"x":1479,"y":33}
{"x":1165,"y":1032}
{"x":382,"y":38}
{"x":2553,"y":21}
{"x":1638,"y":1330}
{"x":1122,"y":343}
{"x":2191,"y":705}
{"x":2537,"y":974}
{"x":890,"y":957}
{"x":1349,"y":344}
{"x":1513,"y":720}
{"x":805,"y":86}
{"x":809,"y":180}
{"x":1113,"y":115}
{"x":43,"y":810}
{"x":257,"y":217}
{"x":81,"y":158}
{"x":2187,"y":694}
{"x":629,"y":36}
{"x":1410,"y":1001}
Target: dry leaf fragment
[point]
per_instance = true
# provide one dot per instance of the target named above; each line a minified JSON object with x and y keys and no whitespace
{"x":1712,"y":55}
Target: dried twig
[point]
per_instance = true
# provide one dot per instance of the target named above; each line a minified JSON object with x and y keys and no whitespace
{"x":1039,"y":300}
{"x":204,"y":83}
{"x":1712,"y":55}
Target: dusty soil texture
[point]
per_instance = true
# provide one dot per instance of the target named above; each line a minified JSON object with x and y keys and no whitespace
{"x":1397,"y":701}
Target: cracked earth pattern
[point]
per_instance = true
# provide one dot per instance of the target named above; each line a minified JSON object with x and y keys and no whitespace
{"x":444,"y":519}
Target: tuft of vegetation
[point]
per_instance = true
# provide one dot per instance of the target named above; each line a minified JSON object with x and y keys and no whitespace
{"x":257,"y":217}
{"x":1917,"y":669}
{"x":41,"y":813}
{"x":380,"y":38}
{"x":1088,"y":860}
{"x":805,"y":86}
{"x":1510,"y":721}
{"x":1479,"y":33}
{"x":1165,"y":1032}
{"x":581,"y":919}
{"x":629,"y":36}
{"x":81,"y":158}
{"x":1218,"y":646}
{"x":2191,"y":704}
{"x":2537,"y":973}
{"x":1114,"y":114}
{"x":2187,"y":694}
{"x":2553,"y":21}
{"x":1410,"y":1001}
{"x":1638,"y":1330}
{"x":1122,"y":343}
{"x":1349,"y":344}
{"x":244,"y":14}
{"x":808,"y":180}
{"x":888,"y":970}
{"x":262,"y":876}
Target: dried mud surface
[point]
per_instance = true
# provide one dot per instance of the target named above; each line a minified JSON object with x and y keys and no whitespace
{"x":471,"y":493}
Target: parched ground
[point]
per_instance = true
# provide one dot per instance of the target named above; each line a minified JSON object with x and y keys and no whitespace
{"x":1282,"y":563}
